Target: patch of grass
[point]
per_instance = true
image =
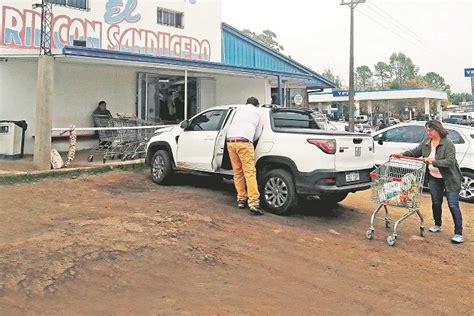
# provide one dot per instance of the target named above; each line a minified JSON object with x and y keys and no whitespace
{"x":29,"y":178}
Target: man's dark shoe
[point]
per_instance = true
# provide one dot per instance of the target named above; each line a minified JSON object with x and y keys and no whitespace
{"x":256,"y":210}
{"x":242,"y":204}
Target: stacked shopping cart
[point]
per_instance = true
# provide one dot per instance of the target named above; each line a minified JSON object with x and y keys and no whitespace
{"x":122,"y":138}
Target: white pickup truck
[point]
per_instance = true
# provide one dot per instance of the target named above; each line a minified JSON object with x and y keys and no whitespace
{"x":294,"y":156}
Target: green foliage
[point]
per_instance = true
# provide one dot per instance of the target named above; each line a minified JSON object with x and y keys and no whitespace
{"x":434,"y":80}
{"x":403,"y":68}
{"x":267,"y":38}
{"x":457,"y":98}
{"x":383,"y":72}
{"x":363,"y":77}
{"x":327,"y":73}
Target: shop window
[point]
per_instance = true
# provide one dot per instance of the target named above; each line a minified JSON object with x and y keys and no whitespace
{"x":170,"y":18}
{"x":161,"y":98}
{"x":76,"y":4}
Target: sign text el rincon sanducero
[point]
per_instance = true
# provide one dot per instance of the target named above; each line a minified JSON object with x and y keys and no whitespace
{"x":20,"y":29}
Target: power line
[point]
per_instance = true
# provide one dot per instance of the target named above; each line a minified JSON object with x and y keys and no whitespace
{"x":390,"y":30}
{"x":398,"y":28}
{"x":397,"y":23}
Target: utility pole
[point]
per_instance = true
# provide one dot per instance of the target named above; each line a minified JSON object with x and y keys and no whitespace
{"x":352,"y":5}
{"x":44,"y":89}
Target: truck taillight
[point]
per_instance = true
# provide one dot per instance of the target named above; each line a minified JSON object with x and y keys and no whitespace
{"x":326,"y":145}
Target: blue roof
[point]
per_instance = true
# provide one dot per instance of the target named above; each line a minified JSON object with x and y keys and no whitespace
{"x":238,"y":49}
{"x":77,"y":51}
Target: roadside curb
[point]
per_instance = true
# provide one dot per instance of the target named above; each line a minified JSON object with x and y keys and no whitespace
{"x":32,"y":176}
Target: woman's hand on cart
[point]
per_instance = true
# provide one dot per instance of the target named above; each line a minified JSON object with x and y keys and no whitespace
{"x":400,"y":156}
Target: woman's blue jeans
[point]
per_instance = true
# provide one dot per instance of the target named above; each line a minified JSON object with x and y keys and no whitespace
{"x":437,"y":189}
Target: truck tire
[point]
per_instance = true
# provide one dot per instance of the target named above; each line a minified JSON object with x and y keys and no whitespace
{"x":278,"y":192}
{"x":332,"y":199}
{"x":467,"y":187}
{"x":160,"y":167}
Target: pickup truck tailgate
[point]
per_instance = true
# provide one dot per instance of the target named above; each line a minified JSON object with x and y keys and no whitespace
{"x":354,"y":152}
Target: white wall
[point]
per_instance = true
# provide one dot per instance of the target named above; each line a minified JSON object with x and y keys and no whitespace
{"x":236,"y":90}
{"x":18,"y":94}
{"x":78,"y":88}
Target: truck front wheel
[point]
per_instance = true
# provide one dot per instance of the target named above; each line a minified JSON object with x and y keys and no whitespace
{"x":278,"y":192}
{"x":161,"y":168}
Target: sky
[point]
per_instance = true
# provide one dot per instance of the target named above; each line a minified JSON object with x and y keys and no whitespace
{"x":436,"y":34}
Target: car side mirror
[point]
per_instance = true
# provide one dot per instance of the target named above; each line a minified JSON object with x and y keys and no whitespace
{"x":380,"y":141}
{"x":184,"y":124}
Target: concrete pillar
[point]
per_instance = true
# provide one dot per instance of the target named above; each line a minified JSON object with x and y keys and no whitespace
{"x":427,"y":106}
{"x":44,"y":100}
{"x":279,"y":91}
{"x":369,"y":106}
{"x":439,"y":109}
{"x":356,"y":108}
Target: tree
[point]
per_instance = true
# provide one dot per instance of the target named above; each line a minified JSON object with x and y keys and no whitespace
{"x":327,"y":73}
{"x":267,"y":38}
{"x":434,"y":80}
{"x":364,"y":77}
{"x":457,"y":98}
{"x":403,"y":68}
{"x":383,"y":72}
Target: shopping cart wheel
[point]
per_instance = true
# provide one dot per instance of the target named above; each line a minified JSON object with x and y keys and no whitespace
{"x":104,"y":160}
{"x":422,"y":231}
{"x":391,"y":239}
{"x":370,"y":233}
{"x":90,"y":158}
{"x":387,"y":224}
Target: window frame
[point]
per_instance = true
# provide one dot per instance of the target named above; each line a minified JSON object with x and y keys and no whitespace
{"x":277,"y":128}
{"x":459,"y":134}
{"x":168,"y":17}
{"x":384,"y":137}
{"x":69,"y":6}
{"x":219,"y":125}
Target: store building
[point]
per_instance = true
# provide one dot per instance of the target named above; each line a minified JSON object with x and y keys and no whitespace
{"x":160,"y":61}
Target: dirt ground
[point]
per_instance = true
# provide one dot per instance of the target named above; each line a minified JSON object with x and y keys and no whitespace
{"x":116,"y":244}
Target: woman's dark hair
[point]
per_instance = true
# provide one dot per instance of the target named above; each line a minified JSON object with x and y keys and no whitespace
{"x":102,"y":102}
{"x":437,"y":126}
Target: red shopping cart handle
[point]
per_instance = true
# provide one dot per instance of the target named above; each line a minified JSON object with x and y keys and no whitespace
{"x":406,"y":157}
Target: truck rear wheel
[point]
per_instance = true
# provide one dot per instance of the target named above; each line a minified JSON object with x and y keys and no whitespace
{"x":278,"y":192}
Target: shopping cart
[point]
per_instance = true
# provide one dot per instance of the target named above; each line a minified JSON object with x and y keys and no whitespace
{"x":397,"y":183}
{"x":106,"y":137}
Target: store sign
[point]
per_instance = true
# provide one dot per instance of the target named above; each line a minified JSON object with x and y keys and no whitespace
{"x":298,"y":98}
{"x":343,"y":93}
{"x":469,"y":72}
{"x":117,"y":25}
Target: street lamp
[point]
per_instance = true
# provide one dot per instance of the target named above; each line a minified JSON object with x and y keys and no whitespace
{"x":352,"y":4}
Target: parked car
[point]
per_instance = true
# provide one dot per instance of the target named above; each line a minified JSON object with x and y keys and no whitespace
{"x":393,"y":121}
{"x":361,"y":119}
{"x":294,"y":156}
{"x":463,"y":118}
{"x":405,"y":136}
{"x":363,"y":128}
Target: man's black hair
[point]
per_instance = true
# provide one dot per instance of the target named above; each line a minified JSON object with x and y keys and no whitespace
{"x":102,"y":102}
{"x":253,"y":101}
